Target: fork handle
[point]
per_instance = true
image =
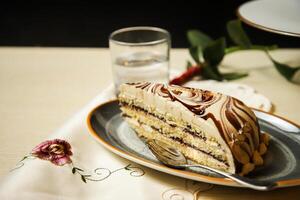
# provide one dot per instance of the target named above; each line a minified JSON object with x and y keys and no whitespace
{"x":250,"y":183}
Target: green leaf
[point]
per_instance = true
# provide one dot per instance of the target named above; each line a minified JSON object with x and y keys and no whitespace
{"x":256,"y":47}
{"x":262,"y":47}
{"x":188,"y":64}
{"x":237,"y":34}
{"x":194,"y":52}
{"x":208,"y":73}
{"x":233,"y":49}
{"x":198,"y":38}
{"x":24,"y":158}
{"x":285,"y":70}
{"x":83,"y":178}
{"x":78,"y":169}
{"x":233,"y":75}
{"x":73,"y":170}
{"x":214,"y":53}
{"x":127,"y":167}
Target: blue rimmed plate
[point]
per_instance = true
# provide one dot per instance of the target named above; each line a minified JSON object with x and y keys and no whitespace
{"x":282,"y":161}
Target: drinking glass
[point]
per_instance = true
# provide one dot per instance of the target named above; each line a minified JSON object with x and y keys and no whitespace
{"x":140,"y":54}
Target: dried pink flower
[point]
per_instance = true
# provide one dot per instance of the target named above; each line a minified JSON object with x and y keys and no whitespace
{"x":56,"y":151}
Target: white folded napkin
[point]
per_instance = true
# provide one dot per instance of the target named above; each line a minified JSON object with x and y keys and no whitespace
{"x":99,"y":174}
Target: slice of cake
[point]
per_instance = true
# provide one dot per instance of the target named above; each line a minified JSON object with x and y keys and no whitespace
{"x":208,"y":128}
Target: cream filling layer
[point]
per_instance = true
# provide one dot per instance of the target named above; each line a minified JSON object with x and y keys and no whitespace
{"x":169,"y":119}
{"x":173,"y":131}
{"x":194,"y":155}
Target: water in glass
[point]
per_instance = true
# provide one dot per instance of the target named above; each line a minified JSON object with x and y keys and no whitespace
{"x":141,"y":66}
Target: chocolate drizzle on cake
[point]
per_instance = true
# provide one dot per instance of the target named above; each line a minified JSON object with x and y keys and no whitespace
{"x":238,"y":126}
{"x":221,"y":118}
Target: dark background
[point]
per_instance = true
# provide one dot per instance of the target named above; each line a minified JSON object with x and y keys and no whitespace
{"x":87,"y":24}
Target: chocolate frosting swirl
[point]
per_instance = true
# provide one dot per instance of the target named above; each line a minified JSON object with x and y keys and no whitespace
{"x":235,"y":122}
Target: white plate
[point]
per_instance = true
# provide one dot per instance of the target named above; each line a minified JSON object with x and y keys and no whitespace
{"x":278,"y":16}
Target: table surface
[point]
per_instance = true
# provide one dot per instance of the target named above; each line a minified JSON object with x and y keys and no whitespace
{"x":42,"y":87}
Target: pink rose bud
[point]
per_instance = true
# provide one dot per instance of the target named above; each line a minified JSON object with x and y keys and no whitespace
{"x":56,"y":151}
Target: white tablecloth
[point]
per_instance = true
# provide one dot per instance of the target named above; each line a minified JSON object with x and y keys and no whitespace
{"x":40,"y":179}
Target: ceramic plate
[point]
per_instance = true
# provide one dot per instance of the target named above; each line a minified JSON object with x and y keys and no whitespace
{"x":278,"y":16}
{"x":282,"y":162}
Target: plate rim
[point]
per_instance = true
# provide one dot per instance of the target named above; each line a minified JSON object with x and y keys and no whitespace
{"x":259,"y":26}
{"x":181,"y":173}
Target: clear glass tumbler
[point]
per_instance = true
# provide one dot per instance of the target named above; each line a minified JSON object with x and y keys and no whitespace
{"x":140,"y":54}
